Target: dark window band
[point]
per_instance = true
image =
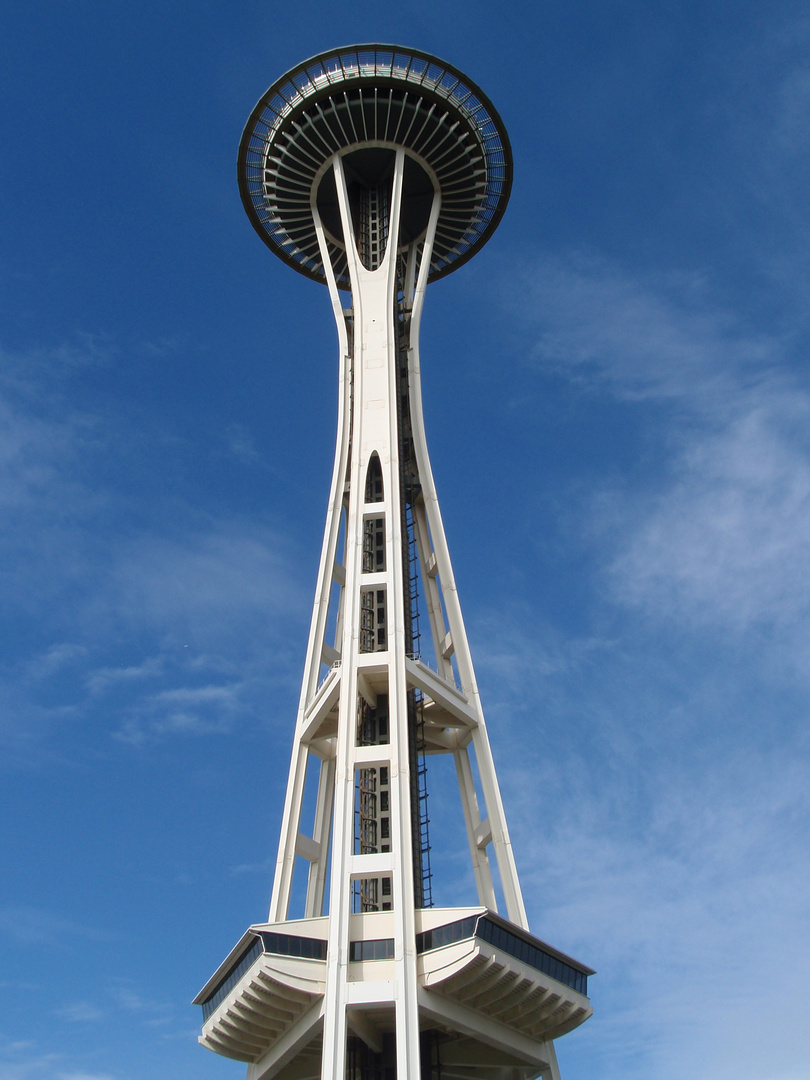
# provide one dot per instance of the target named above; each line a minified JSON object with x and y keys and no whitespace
{"x":513,"y":944}
{"x":381,"y":949}
{"x":266,"y":942}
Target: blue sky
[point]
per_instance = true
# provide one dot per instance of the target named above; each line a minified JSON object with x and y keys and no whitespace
{"x":617,"y":403}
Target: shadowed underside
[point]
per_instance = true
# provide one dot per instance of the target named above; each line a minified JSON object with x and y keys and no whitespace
{"x":374,"y":96}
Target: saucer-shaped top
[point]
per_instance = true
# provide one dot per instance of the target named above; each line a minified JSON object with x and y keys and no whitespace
{"x":366,"y":98}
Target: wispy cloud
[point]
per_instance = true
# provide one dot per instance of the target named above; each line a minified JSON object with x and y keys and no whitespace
{"x":80,"y":1012}
{"x":660,"y":823}
{"x":55,"y":659}
{"x":21,"y":1060}
{"x":241,"y":444}
{"x":669,"y":752}
{"x":719,"y":535}
{"x":253,"y":868}
{"x":201,"y":710}
{"x":28,"y":925}
{"x":86,"y":1076}
{"x":150,"y":1011}
{"x":205,"y":582}
{"x":677,"y":908}
{"x":666,"y":337}
{"x":104,"y":678}
{"x":166,"y":623}
{"x":727,"y":541}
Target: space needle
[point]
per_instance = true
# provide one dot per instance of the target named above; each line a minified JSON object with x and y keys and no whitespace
{"x":376,"y":170}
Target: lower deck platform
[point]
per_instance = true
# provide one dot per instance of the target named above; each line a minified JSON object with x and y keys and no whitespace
{"x":491,"y":996}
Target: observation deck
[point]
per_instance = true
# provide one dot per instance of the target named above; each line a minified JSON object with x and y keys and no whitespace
{"x":486,"y":986}
{"x":362,"y":102}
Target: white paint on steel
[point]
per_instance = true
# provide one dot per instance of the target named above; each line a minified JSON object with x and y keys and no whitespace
{"x":293,"y":1012}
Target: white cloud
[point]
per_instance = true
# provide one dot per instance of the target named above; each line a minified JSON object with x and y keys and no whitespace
{"x":41,"y":435}
{"x":80,"y":1012}
{"x":29,"y":453}
{"x":28,"y":925}
{"x":669,"y":339}
{"x":21,"y":1060}
{"x":85,"y":1076}
{"x":122,"y":617}
{"x":201,"y":710}
{"x":660,"y":808}
{"x":55,"y":659}
{"x":241,"y":445}
{"x":205,"y":584}
{"x":131,"y":1001}
{"x":727,"y":540}
{"x":103,"y":678}
{"x":718,"y":536}
{"x":677,"y":873}
{"x":23,"y":1063}
{"x":791,"y":126}
{"x":253,"y":868}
